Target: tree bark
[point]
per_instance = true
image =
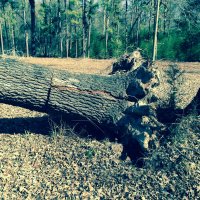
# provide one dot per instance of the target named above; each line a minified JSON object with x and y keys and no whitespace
{"x":126,"y":25}
{"x":89,"y":37}
{"x":155,"y":41}
{"x":76,"y":43}
{"x":118,"y":101}
{"x":13,"y":40}
{"x":46,"y":31}
{"x":59,"y":29}
{"x":106,"y":37}
{"x":25,"y":29}
{"x":33,"y":34}
{"x":7,"y":43}
{"x":85,"y":27}
{"x":67,"y":41}
{"x":138,"y":33}
{"x":1,"y":38}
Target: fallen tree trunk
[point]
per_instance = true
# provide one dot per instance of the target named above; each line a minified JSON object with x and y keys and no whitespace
{"x":100,"y":98}
{"x":122,"y":101}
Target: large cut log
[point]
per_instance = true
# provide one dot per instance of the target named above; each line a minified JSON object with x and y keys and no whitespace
{"x":122,"y":101}
{"x":101,"y":98}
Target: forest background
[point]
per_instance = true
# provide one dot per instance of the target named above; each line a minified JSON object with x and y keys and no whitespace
{"x":100,"y":29}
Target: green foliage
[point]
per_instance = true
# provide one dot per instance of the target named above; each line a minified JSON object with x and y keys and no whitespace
{"x":178,"y":32}
{"x":190,"y":47}
{"x":90,"y":153}
{"x":96,"y":48}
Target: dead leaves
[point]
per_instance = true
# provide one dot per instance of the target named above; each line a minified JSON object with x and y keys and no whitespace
{"x":39,"y":167}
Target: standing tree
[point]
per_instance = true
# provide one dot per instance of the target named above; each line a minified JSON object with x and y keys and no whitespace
{"x":126,"y":25}
{"x":45,"y":27}
{"x":85,"y":26}
{"x":33,"y":33}
{"x":12,"y":23}
{"x":155,"y":41}
{"x":26,"y":34}
{"x":92,"y":8}
{"x":66,"y":25}
{"x":106,"y":21}
{"x":59,"y":28}
{"x":1,"y":37}
{"x":74,"y":21}
{"x":189,"y":23}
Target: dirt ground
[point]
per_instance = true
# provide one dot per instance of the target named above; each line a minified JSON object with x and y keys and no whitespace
{"x":97,"y":66}
{"x":189,"y":85}
{"x":87,"y":66}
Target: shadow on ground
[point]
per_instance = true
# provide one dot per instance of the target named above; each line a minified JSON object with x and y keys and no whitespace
{"x":38,"y":125}
{"x":45,"y":125}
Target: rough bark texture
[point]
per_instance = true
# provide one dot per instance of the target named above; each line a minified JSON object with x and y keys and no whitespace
{"x":122,"y":100}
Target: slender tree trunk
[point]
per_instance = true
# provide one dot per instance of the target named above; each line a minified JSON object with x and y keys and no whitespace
{"x":165,"y":18}
{"x":61,"y":47}
{"x":155,"y":41}
{"x":67,"y":42}
{"x":7,"y":35}
{"x":13,"y":40}
{"x":104,"y":21}
{"x":138,"y":33}
{"x":7,"y":43}
{"x":76,"y":48}
{"x":105,"y":29}
{"x":150,"y":18}
{"x":59,"y":35}
{"x":131,"y":26}
{"x":26,"y":35}
{"x":106,"y":52}
{"x":106,"y":37}
{"x":59,"y":16}
{"x":46,"y":33}
{"x":65,"y":4}
{"x":50,"y":30}
{"x":33,"y":33}
{"x":149,"y":29}
{"x":126,"y":25}
{"x":76,"y":43}
{"x":84,"y":21}
{"x":118,"y":29}
{"x":89,"y":37}
{"x":1,"y":37}
{"x":71,"y":40}
{"x":66,"y":32}
{"x":27,"y":44}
